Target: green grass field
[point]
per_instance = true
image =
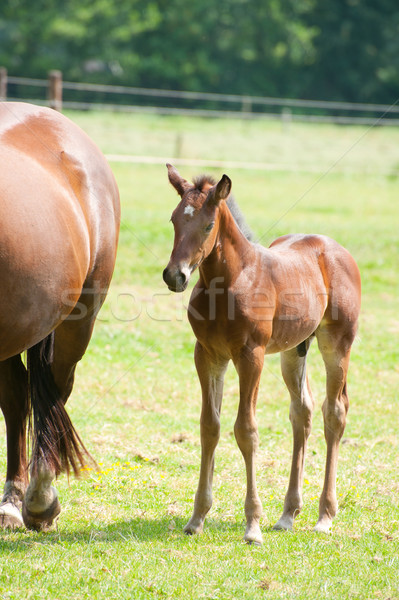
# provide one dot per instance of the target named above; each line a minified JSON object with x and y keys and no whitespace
{"x":136,"y":400}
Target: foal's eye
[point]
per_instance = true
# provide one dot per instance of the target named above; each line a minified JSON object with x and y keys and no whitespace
{"x":209,"y":227}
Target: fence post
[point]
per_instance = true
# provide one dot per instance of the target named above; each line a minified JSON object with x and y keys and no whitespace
{"x":246,"y":105}
{"x":286,"y":118}
{"x":3,"y":84}
{"x":55,"y":90}
{"x":179,"y":145}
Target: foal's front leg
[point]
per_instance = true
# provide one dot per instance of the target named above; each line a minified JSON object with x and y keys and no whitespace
{"x":211,"y":376}
{"x":249,"y":367}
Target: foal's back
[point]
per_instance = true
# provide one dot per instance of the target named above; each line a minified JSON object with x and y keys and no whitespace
{"x":283,"y":295}
{"x":315,"y":284}
{"x":322,"y":267}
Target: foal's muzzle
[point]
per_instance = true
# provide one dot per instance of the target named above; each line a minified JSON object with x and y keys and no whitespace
{"x":176,"y":279}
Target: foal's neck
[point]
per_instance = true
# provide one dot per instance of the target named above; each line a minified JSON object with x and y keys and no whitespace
{"x":231,"y":252}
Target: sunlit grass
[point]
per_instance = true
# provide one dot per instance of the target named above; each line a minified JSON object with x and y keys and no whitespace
{"x":136,"y":400}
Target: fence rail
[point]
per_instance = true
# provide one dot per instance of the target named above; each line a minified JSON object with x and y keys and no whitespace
{"x":74,"y":95}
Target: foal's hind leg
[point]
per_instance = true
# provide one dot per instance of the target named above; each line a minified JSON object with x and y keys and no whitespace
{"x":335,"y":351}
{"x":211,"y":376}
{"x":293,"y":368}
{"x":14,"y":404}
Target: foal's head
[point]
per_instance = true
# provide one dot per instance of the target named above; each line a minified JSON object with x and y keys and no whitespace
{"x":196,"y":223}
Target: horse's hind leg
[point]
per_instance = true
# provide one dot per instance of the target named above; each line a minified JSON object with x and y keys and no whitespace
{"x":14,"y":404}
{"x":41,"y":505}
{"x":293,"y":368}
{"x":211,"y":376}
{"x":335,"y":350}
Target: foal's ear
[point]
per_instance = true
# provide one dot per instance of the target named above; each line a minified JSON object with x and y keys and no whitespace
{"x":220,"y":191}
{"x":180,"y":184}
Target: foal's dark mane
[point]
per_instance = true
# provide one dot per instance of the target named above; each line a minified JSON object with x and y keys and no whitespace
{"x":202,"y":180}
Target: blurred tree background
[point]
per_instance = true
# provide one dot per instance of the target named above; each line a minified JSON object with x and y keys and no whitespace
{"x":315,"y":49}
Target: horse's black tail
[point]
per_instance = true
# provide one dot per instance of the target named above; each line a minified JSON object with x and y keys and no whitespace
{"x":53,"y":438}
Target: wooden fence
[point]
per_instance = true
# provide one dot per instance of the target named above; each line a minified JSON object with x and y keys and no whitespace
{"x":148,"y":100}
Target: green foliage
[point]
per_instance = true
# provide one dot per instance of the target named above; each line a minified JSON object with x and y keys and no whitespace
{"x":298,"y":48}
{"x":356,"y":50}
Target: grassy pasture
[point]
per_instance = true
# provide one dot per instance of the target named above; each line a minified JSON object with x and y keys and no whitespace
{"x":136,"y":400}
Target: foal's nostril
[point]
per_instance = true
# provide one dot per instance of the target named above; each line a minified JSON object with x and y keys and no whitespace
{"x":175,"y":280}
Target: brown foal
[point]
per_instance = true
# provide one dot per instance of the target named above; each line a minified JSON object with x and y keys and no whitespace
{"x":251,"y":300}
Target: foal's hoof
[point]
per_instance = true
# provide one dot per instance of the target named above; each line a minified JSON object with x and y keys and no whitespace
{"x":41,"y":521}
{"x":285,"y":523}
{"x":193,"y":527}
{"x":253,"y":535}
{"x":253,"y":540}
{"x":10,"y":516}
{"x":323,"y":525}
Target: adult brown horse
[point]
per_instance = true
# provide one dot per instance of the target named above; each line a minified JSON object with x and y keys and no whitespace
{"x":59,"y":224}
{"x":249,"y":301}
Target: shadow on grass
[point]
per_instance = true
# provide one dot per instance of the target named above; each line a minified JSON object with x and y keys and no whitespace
{"x":136,"y":530}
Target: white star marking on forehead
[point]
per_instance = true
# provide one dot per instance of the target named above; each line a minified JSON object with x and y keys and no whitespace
{"x":189,"y":210}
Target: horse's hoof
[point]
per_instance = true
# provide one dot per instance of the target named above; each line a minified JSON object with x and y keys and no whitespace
{"x":41,"y":521}
{"x":10,"y":516}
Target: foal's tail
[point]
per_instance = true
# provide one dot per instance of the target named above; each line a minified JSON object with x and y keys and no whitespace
{"x":54,"y":439}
